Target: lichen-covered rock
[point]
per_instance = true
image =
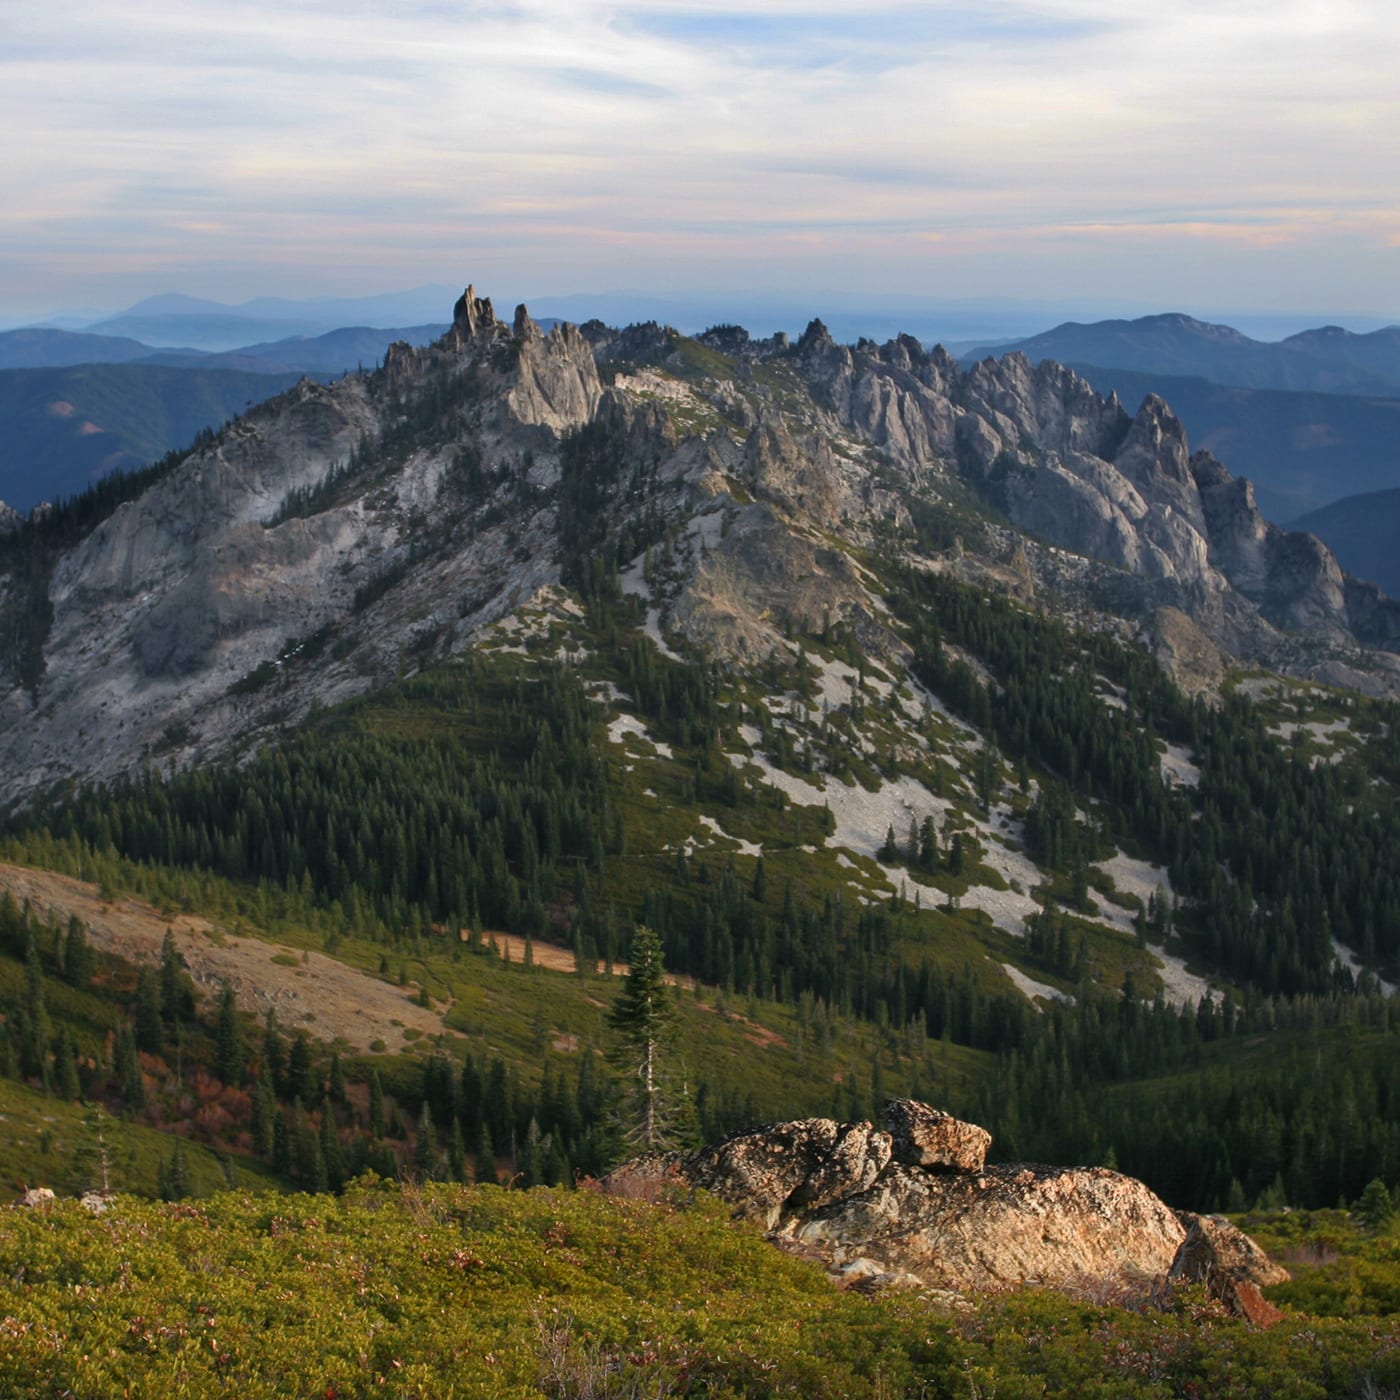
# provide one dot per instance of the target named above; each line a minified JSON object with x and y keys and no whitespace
{"x":1229,"y":1263}
{"x":915,"y":1207}
{"x":775,"y":1173}
{"x":921,"y":1136}
{"x":1062,"y":1227}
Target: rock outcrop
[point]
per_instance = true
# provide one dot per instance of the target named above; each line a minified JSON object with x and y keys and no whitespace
{"x":1232,"y":1267}
{"x":915,"y":1206}
{"x":927,"y":1137}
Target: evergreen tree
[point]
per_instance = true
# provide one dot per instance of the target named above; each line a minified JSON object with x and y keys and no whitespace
{"x":35,"y":1030}
{"x":230,"y":1045}
{"x":376,"y":1105}
{"x":77,"y":954}
{"x":150,"y":1030}
{"x":641,"y":1020}
{"x":265,"y":1118}
{"x":65,"y":1068}
{"x":1375,"y":1208}
{"x":176,"y":990}
{"x":173,"y":1177}
{"x":425,"y":1143}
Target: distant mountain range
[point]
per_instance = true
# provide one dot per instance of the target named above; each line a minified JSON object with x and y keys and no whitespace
{"x":75,"y":406}
{"x":1327,"y":360}
{"x":172,"y":319}
{"x":330,"y":352}
{"x":1311,"y":419}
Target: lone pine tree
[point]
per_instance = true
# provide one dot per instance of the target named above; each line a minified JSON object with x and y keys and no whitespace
{"x":642,"y":1019}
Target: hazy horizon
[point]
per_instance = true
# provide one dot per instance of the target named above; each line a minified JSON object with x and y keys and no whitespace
{"x":960,"y":321}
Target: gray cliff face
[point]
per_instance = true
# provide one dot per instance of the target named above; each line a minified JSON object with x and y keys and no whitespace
{"x":1075,"y":470}
{"x":163,"y":615}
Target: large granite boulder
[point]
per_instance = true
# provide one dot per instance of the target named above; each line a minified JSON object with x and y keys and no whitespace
{"x":915,"y":1206}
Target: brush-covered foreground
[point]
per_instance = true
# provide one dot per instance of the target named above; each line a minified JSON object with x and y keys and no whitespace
{"x":478,"y":1291}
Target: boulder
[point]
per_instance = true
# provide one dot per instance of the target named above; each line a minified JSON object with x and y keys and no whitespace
{"x":921,"y":1136}
{"x":915,"y":1207}
{"x":1083,"y":1229}
{"x":775,"y":1173}
{"x":1229,"y":1263}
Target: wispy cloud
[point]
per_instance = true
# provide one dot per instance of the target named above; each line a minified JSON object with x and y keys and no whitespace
{"x":1015,"y":143}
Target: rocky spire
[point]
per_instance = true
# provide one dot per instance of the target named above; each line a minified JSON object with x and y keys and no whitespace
{"x":471,"y":315}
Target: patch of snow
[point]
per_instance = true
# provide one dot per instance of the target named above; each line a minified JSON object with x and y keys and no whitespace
{"x":1178,"y":767}
{"x":1180,"y":987}
{"x":632,"y":579}
{"x":1322,"y":732}
{"x":652,"y":629}
{"x":746,"y":848}
{"x":605,"y":692}
{"x":835,"y":684}
{"x":1006,"y":909}
{"x":862,"y":817}
{"x":1111,"y":695}
{"x":1136,"y":877}
{"x":1031,"y":988}
{"x":624,"y":725}
{"x":1002,"y":850}
{"x":1353,"y":964}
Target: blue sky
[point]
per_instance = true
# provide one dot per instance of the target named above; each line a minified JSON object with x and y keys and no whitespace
{"x":1178,"y":154}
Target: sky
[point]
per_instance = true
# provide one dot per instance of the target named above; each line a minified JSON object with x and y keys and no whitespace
{"x":1199,"y":155}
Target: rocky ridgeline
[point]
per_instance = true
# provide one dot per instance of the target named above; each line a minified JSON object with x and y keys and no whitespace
{"x":326,"y":538}
{"x":916,"y":1206}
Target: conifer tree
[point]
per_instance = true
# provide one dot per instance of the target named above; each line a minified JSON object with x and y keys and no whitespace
{"x":230,"y":1045}
{"x":376,"y":1105}
{"x":642,"y":1019}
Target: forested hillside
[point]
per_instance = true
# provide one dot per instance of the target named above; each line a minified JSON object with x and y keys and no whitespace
{"x":510,"y":794}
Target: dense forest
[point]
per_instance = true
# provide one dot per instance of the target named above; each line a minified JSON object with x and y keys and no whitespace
{"x":477,"y":797}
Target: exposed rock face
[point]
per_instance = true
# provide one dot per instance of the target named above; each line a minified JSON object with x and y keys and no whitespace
{"x":926,"y":1137}
{"x":557,"y":386}
{"x":782,"y":469}
{"x":1061,"y":1227}
{"x":10,"y":519}
{"x":218,"y":571}
{"x":1231,"y":1265}
{"x":791,"y":1168}
{"x":1077,"y":471}
{"x":916,"y":1207}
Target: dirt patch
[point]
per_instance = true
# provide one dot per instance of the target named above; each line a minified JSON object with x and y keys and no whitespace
{"x":549,"y":955}
{"x":308,"y":990}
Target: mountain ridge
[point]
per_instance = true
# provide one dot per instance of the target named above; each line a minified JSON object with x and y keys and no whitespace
{"x":783,"y":441}
{"x":1326,"y":359}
